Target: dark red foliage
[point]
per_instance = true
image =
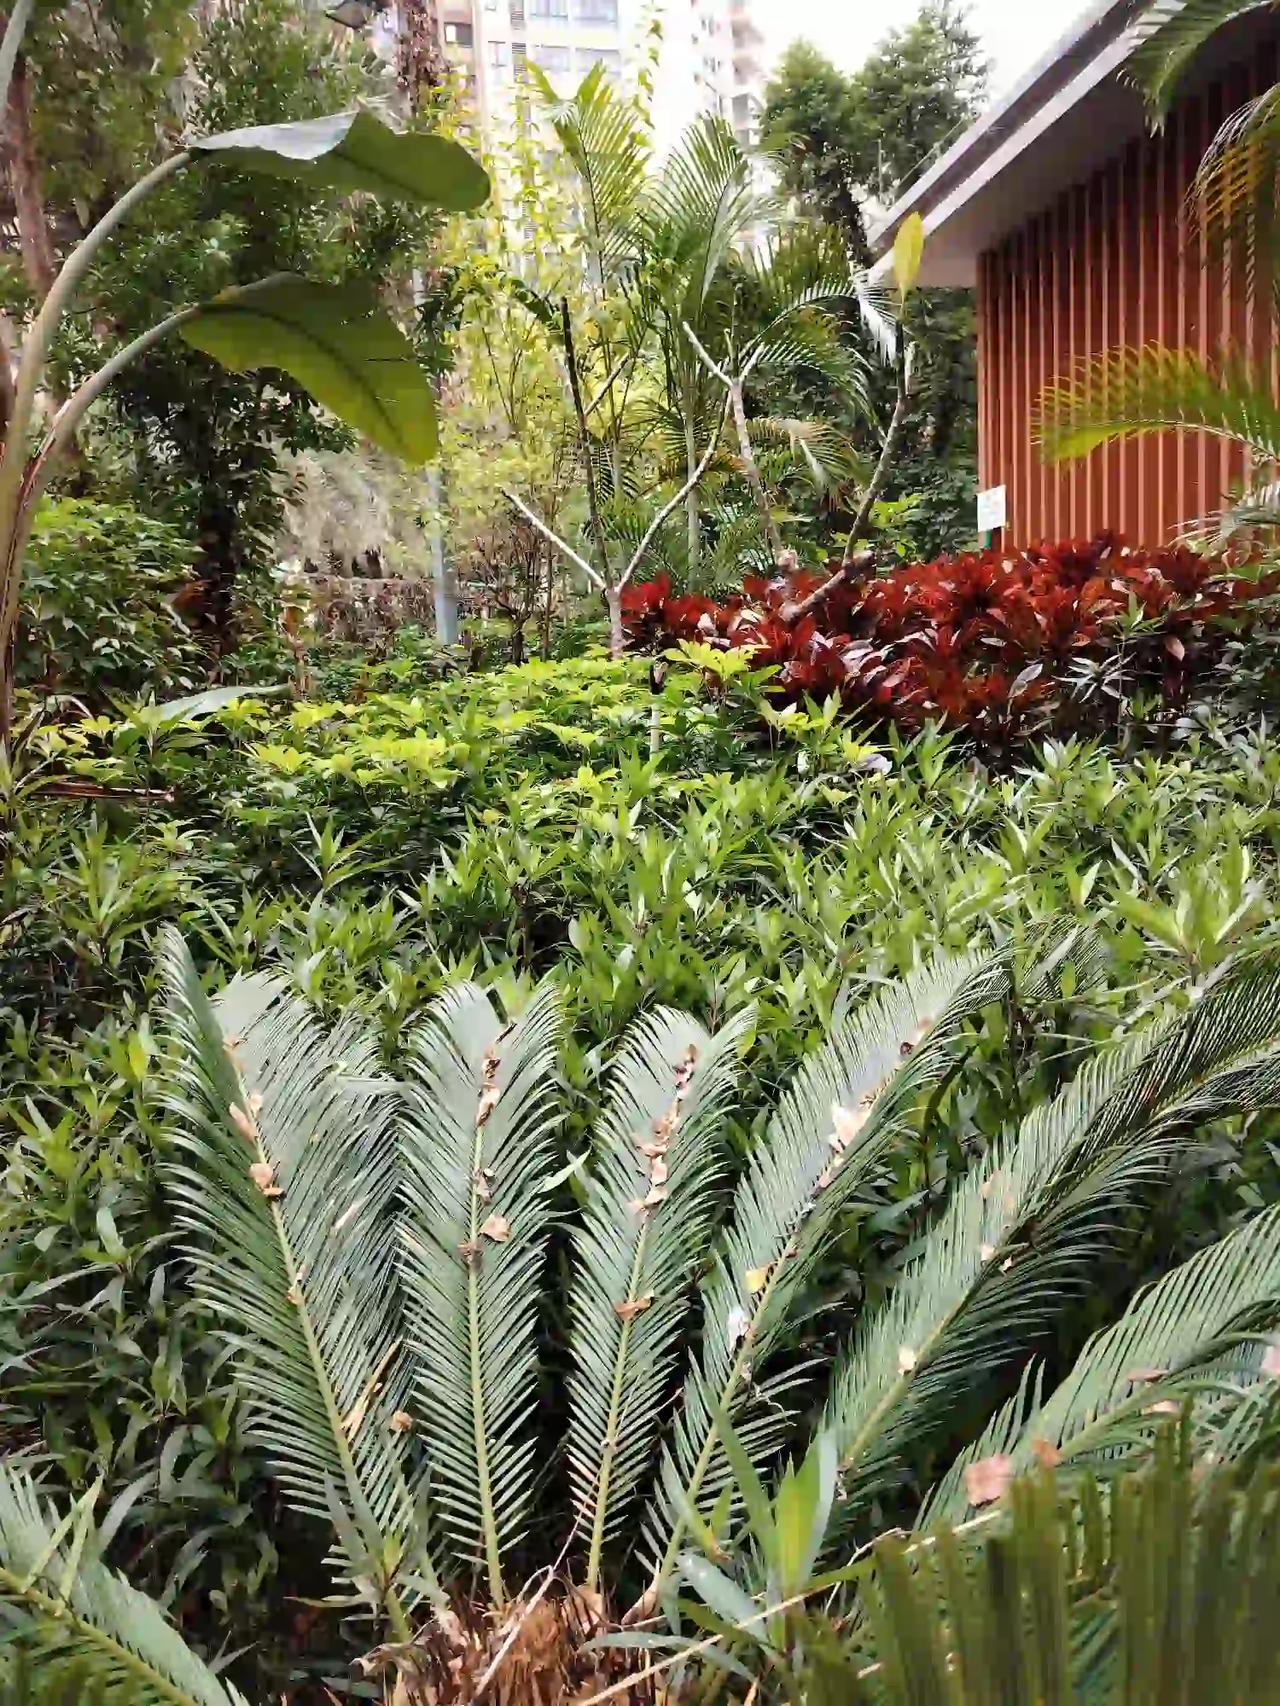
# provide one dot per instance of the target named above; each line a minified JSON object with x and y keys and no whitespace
{"x":985,"y":640}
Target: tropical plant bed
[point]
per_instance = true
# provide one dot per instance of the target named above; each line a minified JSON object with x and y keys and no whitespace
{"x":991,"y":641}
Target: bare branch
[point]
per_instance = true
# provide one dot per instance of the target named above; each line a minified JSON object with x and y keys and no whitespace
{"x":853,"y":564}
{"x":750,"y":468}
{"x":566,"y":550}
{"x":675,"y":502}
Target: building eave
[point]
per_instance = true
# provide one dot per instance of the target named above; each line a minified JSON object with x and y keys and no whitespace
{"x":1074,"y":91}
{"x":1067,"y":117}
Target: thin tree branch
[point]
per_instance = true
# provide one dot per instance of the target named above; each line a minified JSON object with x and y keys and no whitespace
{"x":675,"y":502}
{"x":34,"y":242}
{"x":584,"y":439}
{"x":853,"y":564}
{"x":566,"y":550}
{"x":750,"y":468}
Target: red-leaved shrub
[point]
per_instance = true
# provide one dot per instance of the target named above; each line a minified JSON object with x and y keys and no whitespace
{"x":989,"y":641}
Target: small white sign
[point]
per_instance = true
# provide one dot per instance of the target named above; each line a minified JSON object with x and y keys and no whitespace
{"x":991,"y":509}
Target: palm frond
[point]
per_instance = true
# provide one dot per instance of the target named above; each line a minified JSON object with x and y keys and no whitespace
{"x":1233,"y":195}
{"x":1026,"y":1227}
{"x":283,"y":1184}
{"x":1169,"y":35}
{"x":1256,"y":508}
{"x":480,"y":1107}
{"x":828,"y":458}
{"x":848,"y":1104}
{"x":646,"y":1222}
{"x":1128,"y":392}
{"x":72,"y":1617}
{"x":694,"y":212}
{"x":1128,"y":1378}
{"x":604,"y":136}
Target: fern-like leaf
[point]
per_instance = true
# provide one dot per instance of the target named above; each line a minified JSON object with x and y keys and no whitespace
{"x":846,"y":1107}
{"x":647,"y":1220}
{"x":73,"y":1617}
{"x":477,"y":1146}
{"x":283,"y":1185}
{"x":1158,"y":1355}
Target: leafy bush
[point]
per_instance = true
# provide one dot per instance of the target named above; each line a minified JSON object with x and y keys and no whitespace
{"x":991,"y":642}
{"x":102,"y":614}
{"x":763,"y":867}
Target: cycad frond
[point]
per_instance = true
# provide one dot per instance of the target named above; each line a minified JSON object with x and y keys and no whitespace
{"x":1164,"y":1586}
{"x":1167,"y":38}
{"x":646,"y":1224}
{"x":1025,"y":1228}
{"x":982,"y":1291}
{"x":1128,"y":392}
{"x":477,"y":1146}
{"x":283,"y":1185}
{"x":800,"y":1179}
{"x":73,"y":1617}
{"x":1178,"y":1324}
{"x":1160,"y":1353}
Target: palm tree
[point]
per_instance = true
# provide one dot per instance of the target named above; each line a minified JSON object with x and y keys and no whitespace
{"x":1126,"y":393}
{"x":679,"y":316}
{"x":526,"y":1399}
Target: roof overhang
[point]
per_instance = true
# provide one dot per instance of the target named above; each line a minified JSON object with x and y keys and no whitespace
{"x":1070,"y":114}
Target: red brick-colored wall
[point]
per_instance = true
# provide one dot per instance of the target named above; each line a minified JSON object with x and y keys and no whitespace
{"x":1114,"y":261}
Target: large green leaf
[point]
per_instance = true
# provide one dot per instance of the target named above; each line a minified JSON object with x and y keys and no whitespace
{"x":356,"y":151}
{"x":335,"y":341}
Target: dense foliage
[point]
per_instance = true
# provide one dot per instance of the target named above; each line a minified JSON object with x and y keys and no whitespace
{"x":745,"y":1170}
{"x":104,"y":614}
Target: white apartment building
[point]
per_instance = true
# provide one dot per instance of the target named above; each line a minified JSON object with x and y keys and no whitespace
{"x":708,"y":62}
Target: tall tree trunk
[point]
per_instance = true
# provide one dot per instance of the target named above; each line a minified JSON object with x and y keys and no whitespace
{"x":23,"y":171}
{"x":218,"y":569}
{"x":617,"y":640}
{"x":444,"y":581}
{"x":692,"y":512}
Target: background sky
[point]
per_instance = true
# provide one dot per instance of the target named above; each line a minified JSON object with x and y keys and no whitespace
{"x":1015,"y":32}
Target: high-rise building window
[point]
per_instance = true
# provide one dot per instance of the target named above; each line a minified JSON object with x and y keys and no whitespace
{"x":517,"y":11}
{"x":609,"y":57}
{"x":550,"y":58}
{"x":499,"y":53}
{"x":596,"y":11}
{"x":459,"y":35}
{"x":556,"y":10}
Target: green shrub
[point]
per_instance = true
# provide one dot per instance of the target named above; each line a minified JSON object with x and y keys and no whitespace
{"x":101,"y":615}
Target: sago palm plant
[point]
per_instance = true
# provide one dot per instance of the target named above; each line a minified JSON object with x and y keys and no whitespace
{"x":533,"y":1396}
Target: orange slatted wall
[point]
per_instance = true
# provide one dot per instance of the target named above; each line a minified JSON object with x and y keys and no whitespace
{"x":1113,"y":261}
